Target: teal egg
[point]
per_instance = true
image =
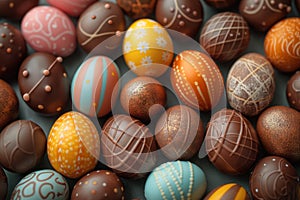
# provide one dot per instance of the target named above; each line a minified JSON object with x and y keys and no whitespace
{"x":176,"y":180}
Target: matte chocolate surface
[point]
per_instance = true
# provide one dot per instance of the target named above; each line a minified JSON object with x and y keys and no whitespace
{"x":16,"y":9}
{"x":293,"y":91}
{"x":137,"y":8}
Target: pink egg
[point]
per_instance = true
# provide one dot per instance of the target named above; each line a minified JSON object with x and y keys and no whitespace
{"x":71,"y":7}
{"x":48,"y":29}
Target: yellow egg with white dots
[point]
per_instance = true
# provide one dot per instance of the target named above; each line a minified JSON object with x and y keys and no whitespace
{"x":73,"y":145}
{"x":147,"y":48}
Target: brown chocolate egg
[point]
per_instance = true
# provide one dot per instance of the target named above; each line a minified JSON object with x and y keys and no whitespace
{"x":43,"y":83}
{"x":179,"y":133}
{"x":281,"y":45}
{"x":98,"y":185}
{"x":16,"y":9}
{"x":221,"y":4}
{"x":137,"y":8}
{"x":142,"y":98}
{"x":225,"y":35}
{"x":3,"y":184}
{"x":197,"y":80}
{"x":12,"y":51}
{"x":278,"y":128}
{"x":231,"y":142}
{"x":184,"y":16}
{"x":128,"y":147}
{"x":97,"y":23}
{"x":250,"y":84}
{"x":293,"y":91}
{"x":9,"y":104}
{"x":22,"y":146}
{"x":263,"y":14}
{"x":274,"y":178}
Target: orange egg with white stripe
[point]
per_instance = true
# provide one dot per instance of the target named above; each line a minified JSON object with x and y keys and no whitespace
{"x":197,"y":80}
{"x":73,"y":145}
{"x":230,"y":191}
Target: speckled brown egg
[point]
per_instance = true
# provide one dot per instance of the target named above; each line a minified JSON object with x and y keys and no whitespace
{"x":221,"y":4}
{"x":99,"y":185}
{"x":293,"y":91}
{"x":142,"y":97}
{"x":137,"y":8}
{"x":278,"y":128}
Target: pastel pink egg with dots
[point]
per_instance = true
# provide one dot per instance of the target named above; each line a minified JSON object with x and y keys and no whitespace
{"x":72,"y":7}
{"x":47,"y":29}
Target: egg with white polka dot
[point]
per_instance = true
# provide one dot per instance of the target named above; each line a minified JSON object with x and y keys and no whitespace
{"x":147,"y":48}
{"x":73,"y":145}
{"x":98,"y":185}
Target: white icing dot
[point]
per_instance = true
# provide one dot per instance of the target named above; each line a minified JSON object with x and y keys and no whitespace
{"x":256,"y":190}
{"x":265,"y":164}
{"x":273,"y":159}
{"x":104,"y":184}
{"x":286,"y":165}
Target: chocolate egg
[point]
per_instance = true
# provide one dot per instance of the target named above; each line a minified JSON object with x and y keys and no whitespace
{"x":228,"y":191}
{"x":278,"y":128}
{"x":293,"y":91}
{"x":97,"y":23}
{"x":43,"y":83}
{"x":197,"y":80}
{"x":221,"y":4}
{"x":176,"y":180}
{"x":137,"y":8}
{"x":43,"y":184}
{"x":179,"y":133}
{"x":48,"y":29}
{"x":128,"y":146}
{"x":281,"y":45}
{"x":225,"y":35}
{"x":147,"y":48}
{"x":274,"y":178}
{"x":16,"y":9}
{"x":3,"y":184}
{"x":250,"y":84}
{"x":12,"y":50}
{"x":298,"y":5}
{"x":263,"y":14}
{"x":73,"y":8}
{"x":9,"y":104}
{"x":184,"y":16}
{"x":73,"y":145}
{"x":93,"y":85}
{"x":142,"y":98}
{"x":99,"y":185}
{"x":231,"y":142}
{"x":22,"y":146}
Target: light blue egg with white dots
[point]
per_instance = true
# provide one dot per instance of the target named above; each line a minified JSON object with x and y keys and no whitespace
{"x":176,"y":180}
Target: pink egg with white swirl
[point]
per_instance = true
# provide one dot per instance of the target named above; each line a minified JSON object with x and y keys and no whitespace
{"x":48,"y":29}
{"x":73,"y":8}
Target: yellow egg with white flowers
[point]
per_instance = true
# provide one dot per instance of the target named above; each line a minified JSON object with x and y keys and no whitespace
{"x":147,"y":48}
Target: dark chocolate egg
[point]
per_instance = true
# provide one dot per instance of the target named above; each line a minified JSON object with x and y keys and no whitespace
{"x":179,"y":133}
{"x":231,"y":142}
{"x":12,"y":50}
{"x":263,"y":14}
{"x":22,"y":146}
{"x":3,"y":184}
{"x":98,"y":22}
{"x":278,"y":128}
{"x":225,"y":35}
{"x":142,"y":97}
{"x":184,"y":16}
{"x":250,"y":84}
{"x":128,"y":146}
{"x":293,"y":91}
{"x":137,"y":8}
{"x":228,"y":191}
{"x":274,"y":178}
{"x":221,"y":4}
{"x":43,"y":83}
{"x":16,"y":9}
{"x":99,"y":185}
{"x":9,"y":104}
{"x":298,"y":5}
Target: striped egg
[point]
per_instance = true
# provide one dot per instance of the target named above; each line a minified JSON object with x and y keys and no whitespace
{"x":176,"y":180}
{"x":228,"y":191}
{"x":73,"y":145}
{"x":93,"y":85}
{"x":147,"y":48}
{"x":197,"y":80}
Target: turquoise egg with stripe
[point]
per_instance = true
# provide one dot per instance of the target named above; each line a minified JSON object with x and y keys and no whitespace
{"x":93,"y":86}
{"x":181,"y":180}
